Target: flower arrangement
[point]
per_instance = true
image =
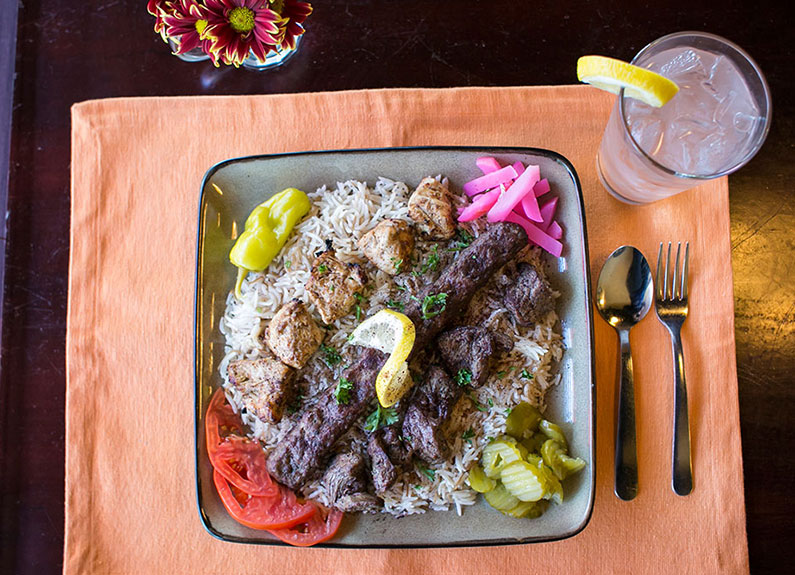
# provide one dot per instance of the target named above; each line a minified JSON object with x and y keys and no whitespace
{"x":228,"y":31}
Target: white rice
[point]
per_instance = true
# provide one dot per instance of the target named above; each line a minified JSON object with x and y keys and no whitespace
{"x":343,"y":214}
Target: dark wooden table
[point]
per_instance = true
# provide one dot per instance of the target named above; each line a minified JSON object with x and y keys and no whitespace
{"x":69,"y":51}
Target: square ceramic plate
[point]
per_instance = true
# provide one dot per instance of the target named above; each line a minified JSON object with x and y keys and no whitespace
{"x":246,"y":182}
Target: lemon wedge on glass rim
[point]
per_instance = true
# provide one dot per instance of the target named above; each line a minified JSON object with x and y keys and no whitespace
{"x":393,"y":333}
{"x":639,"y":83}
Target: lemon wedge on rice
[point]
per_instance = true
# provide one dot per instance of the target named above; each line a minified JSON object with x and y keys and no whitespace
{"x":639,"y":83}
{"x":393,"y":333}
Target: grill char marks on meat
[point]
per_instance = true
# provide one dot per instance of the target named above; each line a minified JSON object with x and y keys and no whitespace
{"x":346,"y":483}
{"x":388,"y":454}
{"x":293,"y":334}
{"x":471,"y":350}
{"x":529,"y":297}
{"x":388,"y":245}
{"x":382,"y":469}
{"x":430,"y":406}
{"x":431,"y":207}
{"x":308,"y":445}
{"x":265,"y":386}
{"x":466,"y":275}
{"x":333,"y":285}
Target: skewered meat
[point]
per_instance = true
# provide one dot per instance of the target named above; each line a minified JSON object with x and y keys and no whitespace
{"x":293,"y":335}
{"x":470,"y":350}
{"x":388,"y":245}
{"x":265,"y":386}
{"x":346,"y":483}
{"x":307,"y":446}
{"x":431,"y":207}
{"x":461,"y":279}
{"x":333,"y":285}
{"x":430,"y":405}
{"x":382,"y":469}
{"x":388,"y":453}
{"x":529,"y":297}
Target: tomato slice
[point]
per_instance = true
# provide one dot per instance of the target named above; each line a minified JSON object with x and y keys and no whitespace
{"x":221,"y":421}
{"x":274,"y":512}
{"x":321,"y":527}
{"x":238,"y":459}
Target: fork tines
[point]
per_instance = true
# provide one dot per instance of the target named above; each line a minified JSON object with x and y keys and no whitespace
{"x":663,"y":292}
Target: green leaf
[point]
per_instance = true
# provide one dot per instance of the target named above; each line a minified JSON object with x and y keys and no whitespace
{"x":342,"y":393}
{"x":332,"y":356}
{"x":433,"y":305}
{"x":463,"y":377}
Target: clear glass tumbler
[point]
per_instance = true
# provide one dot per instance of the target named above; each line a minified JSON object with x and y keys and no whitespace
{"x":713,"y":126}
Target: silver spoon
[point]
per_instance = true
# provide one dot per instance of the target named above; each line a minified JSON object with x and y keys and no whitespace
{"x":624,"y":295}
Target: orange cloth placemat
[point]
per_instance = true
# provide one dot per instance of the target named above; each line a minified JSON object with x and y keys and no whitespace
{"x":137,"y":166}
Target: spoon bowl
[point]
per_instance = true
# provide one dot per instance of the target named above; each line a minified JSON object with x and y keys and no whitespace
{"x":624,"y":294}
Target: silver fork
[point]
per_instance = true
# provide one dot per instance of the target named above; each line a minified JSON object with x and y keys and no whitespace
{"x":671,"y":306}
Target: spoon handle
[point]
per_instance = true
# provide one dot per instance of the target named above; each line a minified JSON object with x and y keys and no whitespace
{"x":626,"y":486}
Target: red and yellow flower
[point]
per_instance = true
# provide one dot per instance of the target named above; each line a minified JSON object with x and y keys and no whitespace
{"x":229,"y":31}
{"x":294,"y":13}
{"x":238,"y":27}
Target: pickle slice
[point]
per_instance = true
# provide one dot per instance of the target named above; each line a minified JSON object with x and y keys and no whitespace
{"x":560,"y":463}
{"x":524,"y":481}
{"x":552,"y":431}
{"x":534,"y":442}
{"x":479,"y":481}
{"x":498,"y":454}
{"x":500,"y":498}
{"x":523,"y":418}
{"x":527,"y":509}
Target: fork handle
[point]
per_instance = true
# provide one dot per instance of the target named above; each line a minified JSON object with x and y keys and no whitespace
{"x":626,"y":463}
{"x":681,"y":464}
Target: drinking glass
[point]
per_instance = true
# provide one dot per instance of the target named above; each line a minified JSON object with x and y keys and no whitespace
{"x":713,"y":126}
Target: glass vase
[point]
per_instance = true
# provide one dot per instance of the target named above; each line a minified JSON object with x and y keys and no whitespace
{"x":272,"y":60}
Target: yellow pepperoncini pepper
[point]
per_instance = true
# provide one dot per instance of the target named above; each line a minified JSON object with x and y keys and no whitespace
{"x":266,"y":231}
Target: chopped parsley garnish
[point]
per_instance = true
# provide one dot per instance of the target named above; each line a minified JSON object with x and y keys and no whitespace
{"x":426,"y":471}
{"x":380,"y":417}
{"x":490,"y":402}
{"x":333,"y":357}
{"x":322,"y":268}
{"x":524,"y":374}
{"x":463,"y":377}
{"x":357,"y":307}
{"x":397,"y":262}
{"x":462,"y":241}
{"x":400,"y":287}
{"x":287,"y":264}
{"x":508,"y":411}
{"x":394,"y":304}
{"x":479,"y":406}
{"x":468,"y":435}
{"x":433,"y":305}
{"x":432,"y":261}
{"x":342,"y":393}
{"x":500,"y":374}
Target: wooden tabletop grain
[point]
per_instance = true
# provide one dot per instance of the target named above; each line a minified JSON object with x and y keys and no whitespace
{"x":69,"y":51}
